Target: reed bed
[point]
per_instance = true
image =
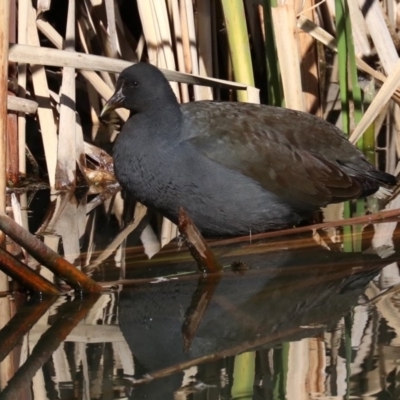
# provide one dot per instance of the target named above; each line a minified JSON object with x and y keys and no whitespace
{"x":337,"y":59}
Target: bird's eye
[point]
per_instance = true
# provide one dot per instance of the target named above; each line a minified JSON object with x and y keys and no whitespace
{"x":131,"y":84}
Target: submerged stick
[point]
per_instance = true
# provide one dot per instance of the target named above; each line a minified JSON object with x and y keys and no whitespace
{"x":49,"y":258}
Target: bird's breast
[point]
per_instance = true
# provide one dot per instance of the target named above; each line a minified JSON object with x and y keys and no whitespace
{"x":144,"y":172}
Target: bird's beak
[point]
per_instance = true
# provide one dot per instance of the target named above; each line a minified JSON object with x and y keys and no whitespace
{"x":114,"y":102}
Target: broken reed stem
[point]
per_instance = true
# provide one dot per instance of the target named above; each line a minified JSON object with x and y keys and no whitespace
{"x":57,"y":264}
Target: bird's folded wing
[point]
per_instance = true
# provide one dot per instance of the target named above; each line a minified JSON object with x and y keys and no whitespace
{"x":262,"y":154}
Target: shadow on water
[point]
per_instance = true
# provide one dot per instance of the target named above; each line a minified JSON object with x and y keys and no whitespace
{"x":287,"y":318}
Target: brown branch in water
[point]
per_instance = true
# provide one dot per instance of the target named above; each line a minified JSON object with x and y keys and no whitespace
{"x":49,"y":258}
{"x":198,"y":247}
{"x":21,"y":323}
{"x":25,"y":275}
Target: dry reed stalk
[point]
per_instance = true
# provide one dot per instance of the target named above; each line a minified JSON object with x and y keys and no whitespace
{"x":187,"y":10}
{"x":308,"y":56}
{"x":328,"y":40}
{"x":64,"y":224}
{"x":23,"y":13}
{"x":6,"y":367}
{"x":4,"y":39}
{"x":385,"y":47}
{"x":66,"y":161}
{"x":43,"y":6}
{"x":205,"y":45}
{"x":45,"y":112}
{"x":53,"y":243}
{"x":185,"y":37}
{"x":179,"y":48}
{"x":97,"y":83}
{"x":20,"y":214}
{"x":253,"y":95}
{"x":12,"y":166}
{"x":112,"y":27}
{"x":390,"y":11}
{"x":359,"y":29}
{"x":140,"y":213}
{"x":145,"y":8}
{"x":60,"y":58}
{"x":200,"y":93}
{"x":382,"y":97}
{"x":21,"y":105}
{"x":380,"y":35}
{"x":12,"y":149}
{"x":284,"y":22}
{"x":98,"y":34}
{"x":164,"y":40}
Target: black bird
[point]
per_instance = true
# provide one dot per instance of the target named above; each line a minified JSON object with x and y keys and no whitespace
{"x":236,"y":168}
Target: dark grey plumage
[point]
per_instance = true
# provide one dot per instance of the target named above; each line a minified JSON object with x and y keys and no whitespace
{"x":235,"y":167}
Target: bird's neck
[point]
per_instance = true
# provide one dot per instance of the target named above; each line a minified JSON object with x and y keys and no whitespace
{"x":159,"y":123}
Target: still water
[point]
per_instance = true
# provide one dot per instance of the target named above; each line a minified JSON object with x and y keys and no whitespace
{"x":292,"y":317}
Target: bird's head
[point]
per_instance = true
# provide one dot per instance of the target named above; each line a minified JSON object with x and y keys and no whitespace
{"x":139,"y":87}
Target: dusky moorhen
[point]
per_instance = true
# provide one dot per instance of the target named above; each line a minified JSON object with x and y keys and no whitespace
{"x":236,"y":168}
